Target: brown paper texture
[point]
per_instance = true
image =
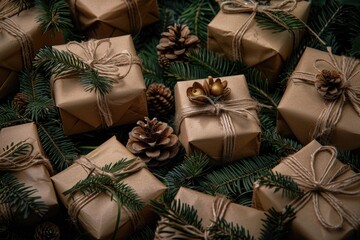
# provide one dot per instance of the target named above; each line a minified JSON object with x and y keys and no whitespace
{"x":262,"y":49}
{"x":36,"y":176}
{"x":10,"y":57}
{"x":306,"y":224}
{"x":127,"y":99}
{"x":205,"y":133}
{"x":247,"y":217}
{"x":107,"y":18}
{"x":98,"y":218}
{"x":301,"y":106}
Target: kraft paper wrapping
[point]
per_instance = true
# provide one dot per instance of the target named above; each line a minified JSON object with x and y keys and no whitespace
{"x":10,"y":57}
{"x":127,"y":99}
{"x":301,"y":106}
{"x":306,"y":225}
{"x":36,"y":176}
{"x":107,"y":18}
{"x":262,"y":49}
{"x":98,"y":218}
{"x":205,"y":132}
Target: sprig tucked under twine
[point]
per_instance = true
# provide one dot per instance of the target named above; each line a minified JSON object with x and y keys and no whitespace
{"x":347,"y":69}
{"x":325,"y":186}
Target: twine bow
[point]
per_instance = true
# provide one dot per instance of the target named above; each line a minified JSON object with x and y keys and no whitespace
{"x":332,"y":112}
{"x":240,"y":107}
{"x":253,"y":7}
{"x":325,"y":186}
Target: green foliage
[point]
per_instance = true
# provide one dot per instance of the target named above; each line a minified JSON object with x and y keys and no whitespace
{"x":23,"y":4}
{"x":279,"y":22}
{"x":221,"y":229}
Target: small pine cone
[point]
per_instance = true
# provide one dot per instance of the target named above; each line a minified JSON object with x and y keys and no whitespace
{"x":21,"y":101}
{"x":47,"y":231}
{"x":153,"y":140}
{"x":164,"y":62}
{"x":159,"y":98}
{"x":329,"y":84}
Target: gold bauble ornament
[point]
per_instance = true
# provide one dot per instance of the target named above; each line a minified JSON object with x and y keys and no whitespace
{"x":197,"y":92}
{"x":217,"y":89}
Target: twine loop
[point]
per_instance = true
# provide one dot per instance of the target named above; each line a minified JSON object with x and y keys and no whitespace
{"x":325,"y":186}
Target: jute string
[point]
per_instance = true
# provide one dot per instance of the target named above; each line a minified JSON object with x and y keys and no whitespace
{"x":77,"y":204}
{"x":134,"y":15}
{"x":239,"y":107}
{"x":106,"y":64}
{"x":174,"y":230}
{"x":325,"y":186}
{"x":8,"y":8}
{"x":331,"y":113}
{"x":26,"y":46}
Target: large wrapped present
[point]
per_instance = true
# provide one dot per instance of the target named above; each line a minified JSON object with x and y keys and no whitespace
{"x":97,"y":214}
{"x":21,"y":38}
{"x":235,"y":33}
{"x":225,"y":129}
{"x":322,"y":100}
{"x":329,"y":208}
{"x":210,"y":208}
{"x":102,"y":19}
{"x":22,"y":155}
{"x":116,"y":59}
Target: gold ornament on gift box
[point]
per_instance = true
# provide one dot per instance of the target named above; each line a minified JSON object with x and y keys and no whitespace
{"x":329,"y":84}
{"x":153,"y":140}
{"x":159,"y":98}
{"x":215,"y":90}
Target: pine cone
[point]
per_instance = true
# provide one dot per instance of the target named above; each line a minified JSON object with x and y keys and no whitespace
{"x":159,"y":98}
{"x":175,"y":43}
{"x":153,"y":140}
{"x":329,"y":84}
{"x":47,"y":231}
{"x":21,"y":101}
{"x":164,"y":62}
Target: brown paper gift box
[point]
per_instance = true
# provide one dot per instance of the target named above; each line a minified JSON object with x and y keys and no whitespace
{"x":108,"y":18}
{"x":98,"y":217}
{"x":306,"y":225}
{"x":262,"y":49}
{"x":205,"y":132}
{"x":247,"y":217}
{"x":127,"y":99}
{"x":10,"y":57}
{"x":301,"y":106}
{"x":36,"y":176}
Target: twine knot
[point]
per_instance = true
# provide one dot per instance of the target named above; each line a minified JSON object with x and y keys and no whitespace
{"x":318,"y":188}
{"x":217,"y":109}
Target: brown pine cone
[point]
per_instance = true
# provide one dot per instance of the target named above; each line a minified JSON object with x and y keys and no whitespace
{"x":21,"y":101}
{"x":47,"y":231}
{"x":153,"y":140}
{"x":160,"y":99}
{"x":329,"y":84}
{"x":175,"y":43}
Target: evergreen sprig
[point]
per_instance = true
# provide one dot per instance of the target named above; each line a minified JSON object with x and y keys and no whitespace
{"x":221,"y":229}
{"x":284,"y":21}
{"x":23,"y":4}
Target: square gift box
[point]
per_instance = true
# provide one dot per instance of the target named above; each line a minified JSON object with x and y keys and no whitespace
{"x":263,"y":49}
{"x":329,"y":208}
{"x":207,"y":132}
{"x":126,"y":102}
{"x":98,"y":216}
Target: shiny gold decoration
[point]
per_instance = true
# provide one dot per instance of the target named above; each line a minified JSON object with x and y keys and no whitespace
{"x":329,"y":84}
{"x":159,"y":98}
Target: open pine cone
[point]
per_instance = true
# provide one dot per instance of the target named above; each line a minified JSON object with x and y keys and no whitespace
{"x":21,"y":101}
{"x":329,"y":84}
{"x":153,"y":140}
{"x":175,"y":43}
{"x":160,"y":99}
{"x":47,"y":231}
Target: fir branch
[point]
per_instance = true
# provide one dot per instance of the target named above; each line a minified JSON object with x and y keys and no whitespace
{"x":21,"y":198}
{"x":23,"y":4}
{"x":221,"y":229}
{"x":9,"y":115}
{"x":92,"y":81}
{"x":278,"y":181}
{"x":284,"y":21}
{"x":279,"y":145}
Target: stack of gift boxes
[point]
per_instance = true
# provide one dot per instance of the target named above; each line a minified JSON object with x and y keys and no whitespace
{"x":216,"y":116}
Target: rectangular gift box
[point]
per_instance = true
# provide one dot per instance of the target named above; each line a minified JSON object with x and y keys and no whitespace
{"x":108,"y":18}
{"x":306,"y":225}
{"x":11,"y":61}
{"x":98,"y":217}
{"x":127,"y":100}
{"x":205,"y":132}
{"x":260,"y":48}
{"x":36,"y":176}
{"x":301,"y":106}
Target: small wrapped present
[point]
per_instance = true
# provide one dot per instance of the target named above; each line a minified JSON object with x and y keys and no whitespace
{"x":116,"y":59}
{"x":103,"y":19}
{"x":21,"y":38}
{"x":97,"y":215}
{"x":209,"y":208}
{"x":235,"y":33}
{"x":322,"y":100}
{"x":224,"y":126}
{"x":329,"y":208}
{"x":30,"y":167}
